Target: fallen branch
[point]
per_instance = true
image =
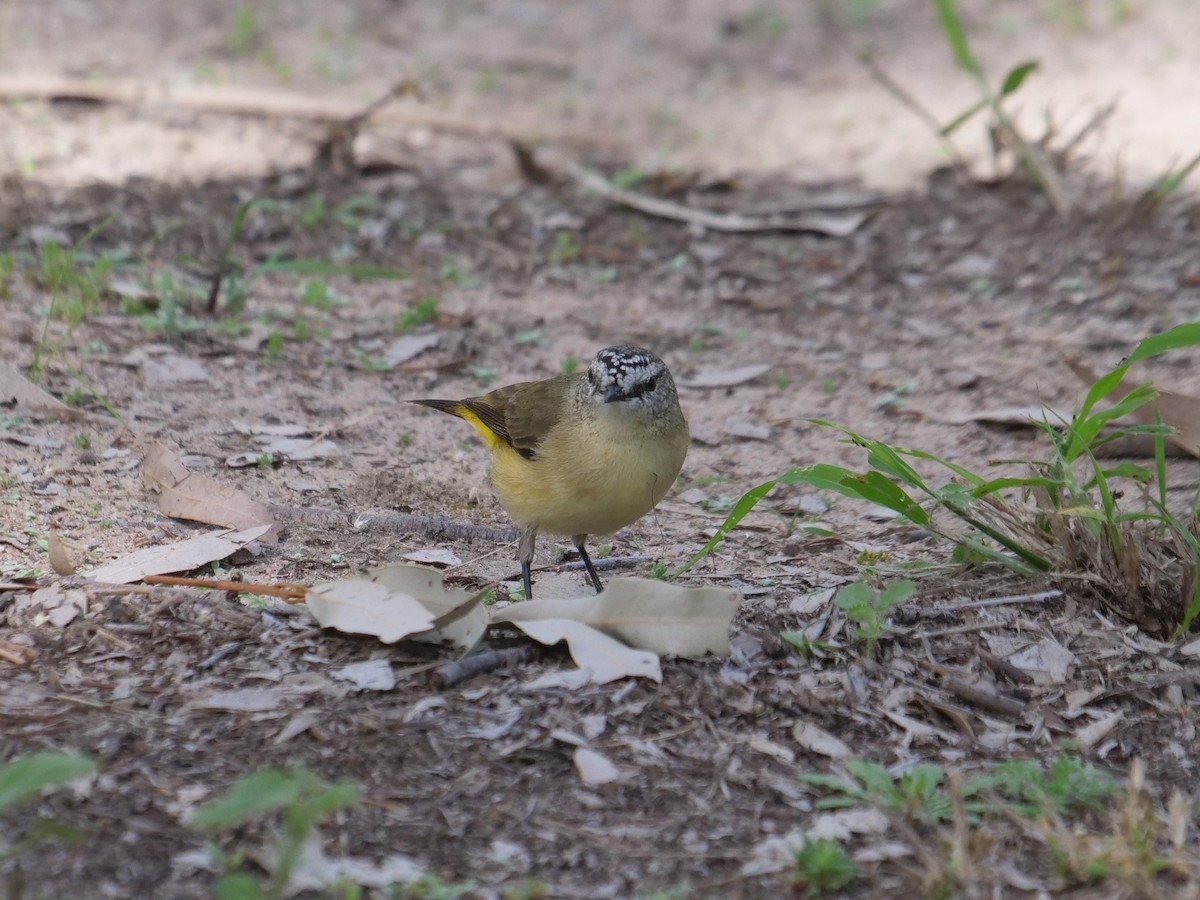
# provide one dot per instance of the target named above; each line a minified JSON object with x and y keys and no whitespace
{"x":486,"y":660}
{"x":555,"y":163}
{"x":273,"y":105}
{"x":288,"y":593}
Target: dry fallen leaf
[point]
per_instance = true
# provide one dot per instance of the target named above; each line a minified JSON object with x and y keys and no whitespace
{"x":646,"y":613}
{"x":719,"y":378}
{"x":315,"y":871}
{"x":408,"y":347}
{"x":778,"y":852}
{"x":1180,"y":411}
{"x":1046,"y":660}
{"x":369,"y":675}
{"x":818,"y":740}
{"x":434,"y":556}
{"x":1091,"y":735}
{"x":181,"y":556}
{"x":17,"y":390}
{"x":260,"y":428}
{"x":199,"y":498}
{"x":400,"y":601}
{"x":593,"y":768}
{"x":295,"y":449}
{"x":605,"y":658}
{"x":363,"y":606}
{"x":242,"y":699}
{"x":60,"y":560}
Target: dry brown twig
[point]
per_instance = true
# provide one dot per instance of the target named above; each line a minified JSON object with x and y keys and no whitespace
{"x":288,"y":593}
{"x":487,"y":660}
{"x":554,"y":163}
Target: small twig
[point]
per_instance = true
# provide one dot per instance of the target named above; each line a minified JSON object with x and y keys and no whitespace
{"x":219,"y":654}
{"x":893,"y":87}
{"x":1004,"y":668}
{"x":1186,"y":678}
{"x":480,"y":663}
{"x":998,"y":601}
{"x":1005,"y":706}
{"x":17,"y":654}
{"x":289,"y":593}
{"x":832,"y":225}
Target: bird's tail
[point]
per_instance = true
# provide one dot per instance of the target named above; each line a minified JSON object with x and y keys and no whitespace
{"x":463,"y":411}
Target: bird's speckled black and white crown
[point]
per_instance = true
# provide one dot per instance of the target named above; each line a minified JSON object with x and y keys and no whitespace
{"x":625,"y":372}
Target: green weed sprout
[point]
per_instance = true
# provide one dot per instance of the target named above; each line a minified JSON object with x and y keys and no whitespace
{"x":868,"y":609}
{"x":25,"y":778}
{"x":299,"y":797}
{"x":823,"y":867}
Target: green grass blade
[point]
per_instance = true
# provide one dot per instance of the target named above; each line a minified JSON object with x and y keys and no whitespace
{"x":956,"y":37}
{"x":322,"y":267}
{"x":1174,"y":339}
{"x":261,"y":792}
{"x":961,"y":471}
{"x":962,"y":118}
{"x":740,"y":510}
{"x":1015,"y":78}
{"x":26,"y":777}
{"x":1002,"y":484}
{"x":1170,"y":182}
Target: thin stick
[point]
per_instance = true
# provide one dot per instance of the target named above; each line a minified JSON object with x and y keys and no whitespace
{"x":893,"y":87}
{"x":486,"y":660}
{"x":841,"y":225}
{"x":999,"y":601}
{"x":1005,"y":706}
{"x":289,"y":593}
{"x":17,"y":654}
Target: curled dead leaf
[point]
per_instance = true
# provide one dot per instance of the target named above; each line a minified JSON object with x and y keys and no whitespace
{"x":60,"y":559}
{"x":189,"y":495}
{"x":647,"y":614}
{"x":181,"y":556}
{"x":400,"y":601}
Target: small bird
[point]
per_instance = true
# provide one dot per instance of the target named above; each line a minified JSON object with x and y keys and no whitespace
{"x":581,"y":454}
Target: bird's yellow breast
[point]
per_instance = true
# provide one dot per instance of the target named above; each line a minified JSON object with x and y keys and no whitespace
{"x":596,"y":477}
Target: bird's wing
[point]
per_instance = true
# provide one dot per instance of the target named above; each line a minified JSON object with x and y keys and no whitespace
{"x":522,"y":414}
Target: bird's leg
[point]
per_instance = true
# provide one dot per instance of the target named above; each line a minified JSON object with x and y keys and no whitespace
{"x":587,"y":561}
{"x":525,"y":552}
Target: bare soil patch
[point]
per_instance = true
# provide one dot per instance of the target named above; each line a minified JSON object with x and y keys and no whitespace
{"x":941,"y":305}
{"x":958,"y":299}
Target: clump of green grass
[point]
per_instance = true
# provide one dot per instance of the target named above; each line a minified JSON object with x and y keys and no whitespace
{"x":1004,"y":129}
{"x":424,"y":311}
{"x":868,"y":609}
{"x":1141,"y":563}
{"x":567,"y":248}
{"x":823,"y":867}
{"x":920,"y":793}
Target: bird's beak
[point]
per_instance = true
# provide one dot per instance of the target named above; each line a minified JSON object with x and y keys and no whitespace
{"x":613,"y":393}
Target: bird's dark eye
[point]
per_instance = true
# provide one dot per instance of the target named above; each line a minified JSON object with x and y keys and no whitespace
{"x":651,"y":384}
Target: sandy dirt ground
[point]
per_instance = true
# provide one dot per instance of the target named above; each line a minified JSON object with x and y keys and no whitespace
{"x":933,"y":309}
